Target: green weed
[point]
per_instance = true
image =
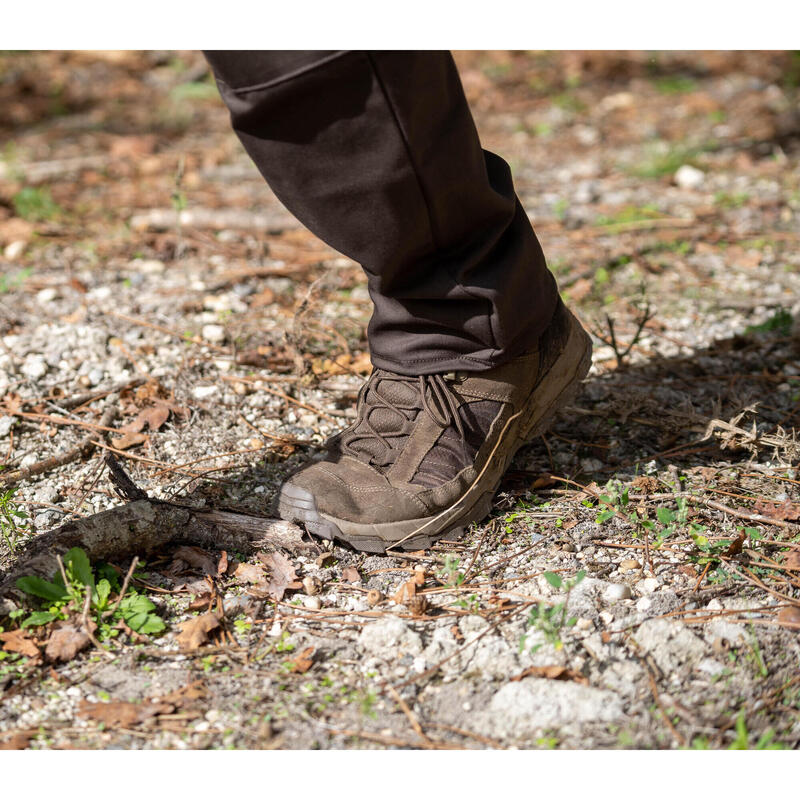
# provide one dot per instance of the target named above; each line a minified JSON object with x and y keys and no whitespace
{"x":13,"y":520}
{"x":780,"y":322}
{"x":64,"y":597}
{"x":551,"y":620}
{"x":35,"y":205}
{"x":675,"y":84}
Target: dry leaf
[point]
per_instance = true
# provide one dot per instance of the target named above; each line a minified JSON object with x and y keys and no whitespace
{"x":282,"y":574}
{"x":645,"y":482}
{"x":405,"y":592}
{"x":350,"y":574}
{"x":786,"y":511}
{"x":302,"y":662}
{"x":792,"y":559}
{"x":201,"y":601}
{"x":196,"y":557}
{"x":580,"y":289}
{"x":222,"y":566}
{"x":251,"y":573}
{"x":789,"y":617}
{"x":735,"y":546}
{"x":324,"y":560}
{"x":553,"y":672}
{"x":128,"y":440}
{"x":120,"y":714}
{"x":194,"y":632}
{"x":185,"y":695}
{"x":19,"y":641}
{"x":65,"y":642}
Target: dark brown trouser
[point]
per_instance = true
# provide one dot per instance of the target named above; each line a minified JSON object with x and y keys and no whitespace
{"x":377,"y":154}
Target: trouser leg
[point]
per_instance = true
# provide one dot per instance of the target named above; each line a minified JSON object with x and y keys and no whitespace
{"x":377,"y":154}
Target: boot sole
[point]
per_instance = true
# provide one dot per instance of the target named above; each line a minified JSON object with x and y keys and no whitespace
{"x":557,"y":388}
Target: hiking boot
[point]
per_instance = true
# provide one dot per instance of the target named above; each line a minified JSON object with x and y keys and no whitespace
{"x":426,"y":454}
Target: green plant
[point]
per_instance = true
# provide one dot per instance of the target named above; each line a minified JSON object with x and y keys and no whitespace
{"x":80,"y":587}
{"x":7,"y":283}
{"x":13,"y":524}
{"x":449,"y":573}
{"x":742,"y":740}
{"x":550,"y":620}
{"x":674,"y":84}
{"x":34,"y":204}
{"x":780,"y":322}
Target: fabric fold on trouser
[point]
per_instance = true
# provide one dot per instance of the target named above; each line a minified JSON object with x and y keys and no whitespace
{"x":377,"y":154}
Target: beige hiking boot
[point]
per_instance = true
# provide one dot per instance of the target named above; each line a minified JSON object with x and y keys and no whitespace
{"x":426,"y":454}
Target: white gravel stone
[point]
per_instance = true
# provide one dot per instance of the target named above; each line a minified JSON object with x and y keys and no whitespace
{"x":648,"y":585}
{"x":214,"y":333}
{"x":6,"y":423}
{"x":34,"y":367}
{"x":689,"y":177}
{"x":14,"y":250}
{"x":204,"y":392}
{"x":314,"y":603}
{"x":523,"y":708}
{"x":390,"y":638}
{"x":46,"y":295}
{"x":617,"y":591}
{"x":148,"y":266}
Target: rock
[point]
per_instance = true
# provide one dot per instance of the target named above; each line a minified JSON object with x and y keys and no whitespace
{"x":658,"y":603}
{"x":204,"y":392}
{"x":95,"y":376}
{"x":46,"y":295}
{"x":6,"y":424}
{"x":689,"y":177}
{"x":34,"y":367}
{"x":617,"y":591}
{"x":648,"y":585}
{"x":710,"y":667}
{"x":214,"y":333}
{"x":629,"y":564}
{"x":670,"y":643}
{"x":14,"y":250}
{"x":390,"y":638}
{"x":148,"y":266}
{"x":313,"y":603}
{"x":526,"y":707}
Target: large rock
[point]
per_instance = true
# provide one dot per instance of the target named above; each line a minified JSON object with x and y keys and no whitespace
{"x":672,"y":645}
{"x":389,"y":638}
{"x":527,"y":707}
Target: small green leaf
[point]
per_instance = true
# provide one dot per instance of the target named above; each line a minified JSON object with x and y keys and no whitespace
{"x":39,"y":587}
{"x":102,"y":592}
{"x":604,"y":516}
{"x":665,"y":516}
{"x":38,"y":618}
{"x":77,"y":562}
{"x":153,"y":624}
{"x":553,"y":579}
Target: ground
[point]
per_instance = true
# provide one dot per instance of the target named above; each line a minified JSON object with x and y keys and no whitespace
{"x":638,"y":582}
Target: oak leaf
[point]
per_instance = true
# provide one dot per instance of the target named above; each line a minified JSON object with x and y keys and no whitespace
{"x":302,"y":662}
{"x":121,"y":714}
{"x":65,"y":643}
{"x":196,"y":557}
{"x":350,"y":574}
{"x":553,"y":672}
{"x":785,"y":511}
{"x":19,"y":641}
{"x":250,"y":573}
{"x":282,"y":574}
{"x":194,"y":632}
{"x":789,"y":617}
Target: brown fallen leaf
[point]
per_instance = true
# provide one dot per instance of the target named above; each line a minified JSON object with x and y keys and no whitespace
{"x":789,"y":617}
{"x":199,"y":602}
{"x":222,"y":565}
{"x":350,"y":574}
{"x":553,"y":672}
{"x":785,"y":511}
{"x":185,"y":695}
{"x":251,"y":573}
{"x":19,"y":641}
{"x":324,"y":560}
{"x":128,"y":440}
{"x":196,"y":557}
{"x":735,"y":547}
{"x":792,"y":559}
{"x":16,"y":740}
{"x":302,"y":662}
{"x":406,"y":592}
{"x":121,"y":714}
{"x":65,"y":643}
{"x":194,"y":632}
{"x":282,"y":574}
{"x":646,"y":483}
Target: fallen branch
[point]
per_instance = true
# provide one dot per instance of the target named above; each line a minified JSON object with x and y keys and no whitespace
{"x":145,"y":526}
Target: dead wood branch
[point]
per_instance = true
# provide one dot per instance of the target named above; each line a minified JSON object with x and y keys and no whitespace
{"x":144,"y":526}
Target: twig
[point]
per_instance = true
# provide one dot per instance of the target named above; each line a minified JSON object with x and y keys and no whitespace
{"x":124,"y":588}
{"x":743,"y":514}
{"x":414,"y":722}
{"x":86,"y":626}
{"x":654,"y":689}
{"x":85,"y":446}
